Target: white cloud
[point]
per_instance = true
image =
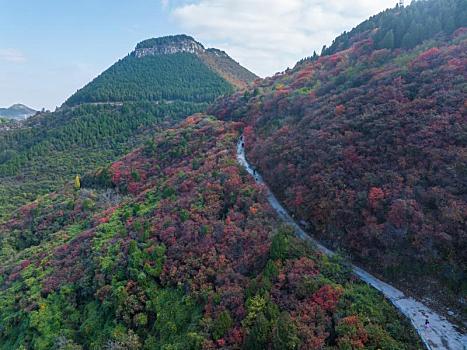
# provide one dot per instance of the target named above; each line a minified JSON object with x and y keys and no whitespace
{"x":270,"y":35}
{"x":12,"y":55}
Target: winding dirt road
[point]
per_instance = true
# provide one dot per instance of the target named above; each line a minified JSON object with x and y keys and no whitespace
{"x":441,"y":334}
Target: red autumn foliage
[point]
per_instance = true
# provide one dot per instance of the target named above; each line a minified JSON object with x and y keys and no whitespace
{"x":371,"y":153}
{"x":375,"y":195}
{"x":340,"y":109}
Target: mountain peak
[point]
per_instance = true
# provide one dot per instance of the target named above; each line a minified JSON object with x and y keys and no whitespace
{"x":17,"y":111}
{"x":168,"y":45}
{"x":20,"y":106}
{"x":217,"y":60}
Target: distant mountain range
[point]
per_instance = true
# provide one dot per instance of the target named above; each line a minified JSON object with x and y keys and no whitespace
{"x":17,"y":111}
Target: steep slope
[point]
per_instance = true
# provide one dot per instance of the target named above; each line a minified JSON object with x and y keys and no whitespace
{"x":217,"y":60}
{"x":406,"y":27}
{"x":17,"y":111}
{"x":442,"y":334}
{"x":227,"y":68}
{"x":178,"y":76}
{"x":110,"y":116}
{"x":175,"y":247}
{"x":367,"y":146}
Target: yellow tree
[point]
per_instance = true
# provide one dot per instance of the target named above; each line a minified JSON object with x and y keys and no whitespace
{"x":77,"y":182}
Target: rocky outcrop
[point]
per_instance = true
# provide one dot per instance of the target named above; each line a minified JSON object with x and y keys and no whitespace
{"x":169,"y":45}
{"x":217,"y":53}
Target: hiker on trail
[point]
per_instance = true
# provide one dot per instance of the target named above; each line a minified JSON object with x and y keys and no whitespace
{"x":427,"y":324}
{"x":255,"y":174}
{"x":243,"y":144}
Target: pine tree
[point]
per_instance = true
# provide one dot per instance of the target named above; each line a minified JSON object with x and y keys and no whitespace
{"x":388,"y":41}
{"x":285,"y":335}
{"x":413,"y":36}
{"x":258,"y":336}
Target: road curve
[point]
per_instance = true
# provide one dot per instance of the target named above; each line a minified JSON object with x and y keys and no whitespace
{"x":441,"y":334}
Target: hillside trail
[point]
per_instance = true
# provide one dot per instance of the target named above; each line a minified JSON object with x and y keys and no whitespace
{"x":441,"y":334}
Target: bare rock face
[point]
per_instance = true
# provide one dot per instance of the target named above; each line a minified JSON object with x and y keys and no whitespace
{"x":217,"y":53}
{"x":169,"y":45}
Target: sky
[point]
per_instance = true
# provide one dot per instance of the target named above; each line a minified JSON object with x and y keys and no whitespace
{"x":51,"y":48}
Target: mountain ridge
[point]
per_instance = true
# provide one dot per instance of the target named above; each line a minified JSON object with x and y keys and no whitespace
{"x":168,"y":45}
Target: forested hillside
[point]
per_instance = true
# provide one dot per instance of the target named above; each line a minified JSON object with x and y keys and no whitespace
{"x":51,"y":149}
{"x":175,"y":247}
{"x":168,"y":68}
{"x":368,"y":145}
{"x":109,"y":117}
{"x":8,"y":124}
{"x":406,"y":27}
{"x":180,"y":76}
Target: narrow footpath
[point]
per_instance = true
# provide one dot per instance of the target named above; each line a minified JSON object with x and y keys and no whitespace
{"x":440,"y":334}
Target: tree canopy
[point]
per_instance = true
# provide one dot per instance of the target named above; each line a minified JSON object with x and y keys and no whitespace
{"x":406,"y":27}
{"x":179,"y":77}
{"x":171,"y":247}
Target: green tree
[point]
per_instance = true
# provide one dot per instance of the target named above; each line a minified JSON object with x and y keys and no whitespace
{"x":412,"y":37}
{"x":388,"y":41}
{"x":259,"y":335}
{"x":280,"y":245}
{"x":223,"y":323}
{"x":285,"y":334}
